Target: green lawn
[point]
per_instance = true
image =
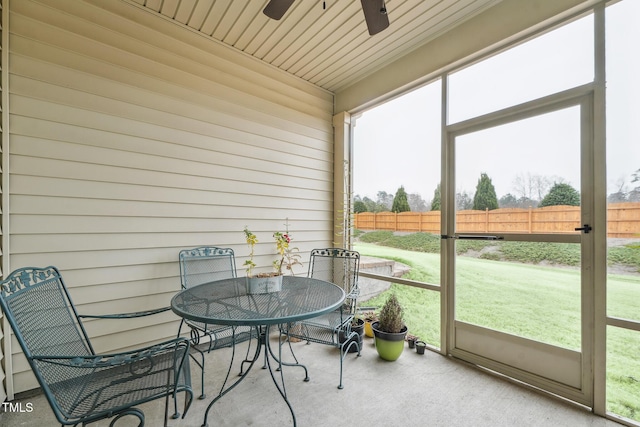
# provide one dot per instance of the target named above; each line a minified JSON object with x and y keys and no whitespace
{"x":537,"y":302}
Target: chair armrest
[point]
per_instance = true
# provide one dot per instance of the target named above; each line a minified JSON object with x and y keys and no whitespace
{"x":115,"y":359}
{"x":125,"y":315}
{"x":353,"y":294}
{"x":346,"y":319}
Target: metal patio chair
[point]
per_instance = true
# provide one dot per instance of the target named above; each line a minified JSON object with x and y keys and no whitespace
{"x":81,"y":386}
{"x":339,"y":266}
{"x":202,"y":265}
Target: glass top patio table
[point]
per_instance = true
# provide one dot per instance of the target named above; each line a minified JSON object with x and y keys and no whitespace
{"x":226,"y":302}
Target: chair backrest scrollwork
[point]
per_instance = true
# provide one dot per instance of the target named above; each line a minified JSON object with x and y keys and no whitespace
{"x":339,"y":266}
{"x":206,"y":264}
{"x":41,"y":313}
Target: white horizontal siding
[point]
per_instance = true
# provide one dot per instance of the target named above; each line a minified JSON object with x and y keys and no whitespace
{"x":4,"y":325}
{"x":132,"y":138}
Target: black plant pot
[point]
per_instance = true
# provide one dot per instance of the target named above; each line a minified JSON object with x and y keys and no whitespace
{"x":359,"y":329}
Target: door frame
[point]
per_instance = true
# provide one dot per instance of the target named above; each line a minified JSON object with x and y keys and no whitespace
{"x":582,"y":96}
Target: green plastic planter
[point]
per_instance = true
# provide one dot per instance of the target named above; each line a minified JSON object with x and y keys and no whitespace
{"x":388,"y":345}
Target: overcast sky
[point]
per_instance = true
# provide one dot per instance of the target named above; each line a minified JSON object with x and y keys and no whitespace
{"x":398,"y":143}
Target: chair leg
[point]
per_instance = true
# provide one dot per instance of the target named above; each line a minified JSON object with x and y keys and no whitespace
{"x":176,"y":414}
{"x":340,"y":386}
{"x":344,"y":350}
{"x":246,"y":357}
{"x":201,"y":365}
{"x":134,"y":412}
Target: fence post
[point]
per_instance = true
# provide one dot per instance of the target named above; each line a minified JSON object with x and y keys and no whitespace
{"x":530,"y":219}
{"x":486,"y":220}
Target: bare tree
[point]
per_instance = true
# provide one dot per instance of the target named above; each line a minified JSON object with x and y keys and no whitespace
{"x":620,"y":194}
{"x":417,"y":203}
{"x":385,"y":200}
{"x":464,"y":201}
{"x":634,"y":195}
{"x":532,"y":187}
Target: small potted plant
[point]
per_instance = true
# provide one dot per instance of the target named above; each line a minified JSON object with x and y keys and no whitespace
{"x":251,"y":241}
{"x":357,"y":325}
{"x":390,"y":331}
{"x":369,"y":317}
{"x":288,"y":256}
{"x":411,"y":340}
{"x":270,"y":282}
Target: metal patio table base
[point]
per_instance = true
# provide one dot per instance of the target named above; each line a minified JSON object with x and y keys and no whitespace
{"x":262,"y":333}
{"x":227,"y":302}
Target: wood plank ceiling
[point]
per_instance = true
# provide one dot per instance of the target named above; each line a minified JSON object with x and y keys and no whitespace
{"x":323,"y":42}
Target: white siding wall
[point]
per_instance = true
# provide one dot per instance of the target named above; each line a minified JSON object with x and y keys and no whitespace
{"x":4,"y":325}
{"x":132,"y":138}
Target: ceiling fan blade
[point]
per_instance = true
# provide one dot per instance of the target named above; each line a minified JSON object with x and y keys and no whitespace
{"x":375,"y":13}
{"x":277,"y":8}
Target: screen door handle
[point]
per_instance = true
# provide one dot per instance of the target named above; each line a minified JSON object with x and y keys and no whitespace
{"x":475,"y":237}
{"x":472,"y":237}
{"x":586,"y":228}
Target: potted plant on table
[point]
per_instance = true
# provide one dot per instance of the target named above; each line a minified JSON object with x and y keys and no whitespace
{"x":390,"y":331}
{"x":288,"y":258}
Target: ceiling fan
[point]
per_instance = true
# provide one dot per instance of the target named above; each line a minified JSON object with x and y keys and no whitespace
{"x":375,"y":13}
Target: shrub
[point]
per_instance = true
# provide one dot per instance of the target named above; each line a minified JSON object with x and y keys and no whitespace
{"x":390,"y":318}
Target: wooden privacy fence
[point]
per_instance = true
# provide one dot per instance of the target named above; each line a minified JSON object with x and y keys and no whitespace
{"x":623,"y":220}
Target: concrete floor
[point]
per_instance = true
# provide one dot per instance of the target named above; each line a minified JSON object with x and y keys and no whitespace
{"x":428,"y":389}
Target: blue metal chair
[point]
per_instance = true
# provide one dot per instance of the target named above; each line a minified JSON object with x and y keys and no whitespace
{"x":203,"y":265}
{"x":339,"y":266}
{"x":81,"y":386}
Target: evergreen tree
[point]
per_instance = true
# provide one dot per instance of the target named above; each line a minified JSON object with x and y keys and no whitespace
{"x":485,"y":197}
{"x":508,"y":201}
{"x":359,"y":206}
{"x":400,"y":201}
{"x":436,"y":202}
{"x":371,"y":206}
{"x":561,"y":194}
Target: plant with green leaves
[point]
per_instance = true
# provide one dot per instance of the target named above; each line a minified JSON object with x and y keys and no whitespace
{"x":561,"y":194}
{"x":485,"y":197}
{"x":390,"y":318}
{"x":400,"y":201}
{"x":288,"y":255}
{"x":251,"y":239}
{"x":437,"y":199}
